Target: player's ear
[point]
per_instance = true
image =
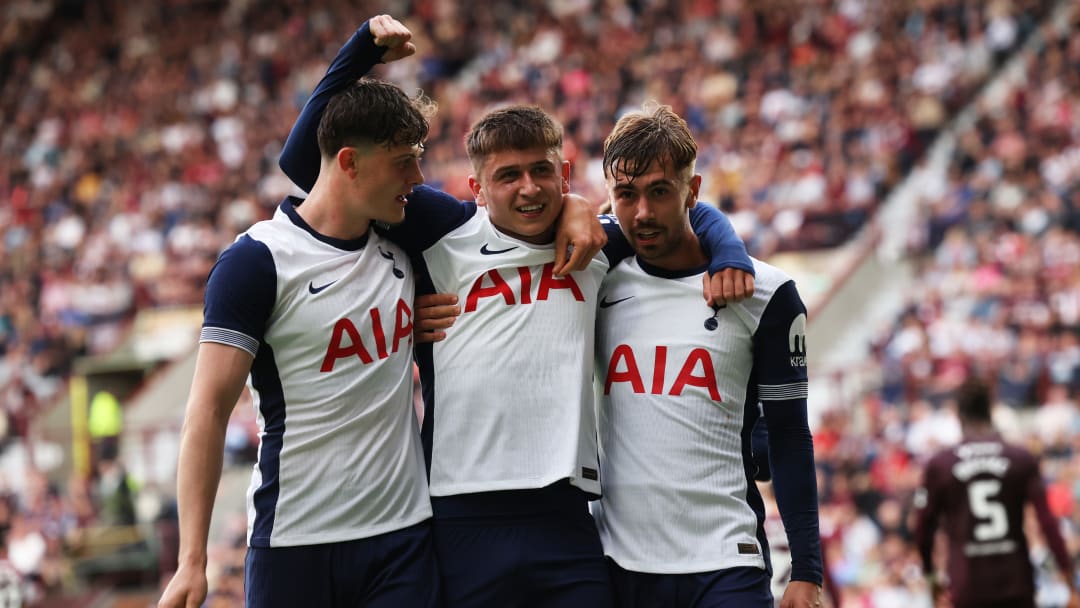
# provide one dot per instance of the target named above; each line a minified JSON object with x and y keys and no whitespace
{"x":565,"y":177}
{"x":477,"y":192}
{"x":346,"y":161}
{"x":695,"y":188}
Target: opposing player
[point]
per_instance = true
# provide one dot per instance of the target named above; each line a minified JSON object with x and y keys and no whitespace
{"x":312,"y":309}
{"x":976,"y":493}
{"x":680,"y":517}
{"x":509,"y":426}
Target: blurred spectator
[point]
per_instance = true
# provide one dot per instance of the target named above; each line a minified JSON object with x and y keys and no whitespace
{"x":12,"y":592}
{"x":26,"y":549}
{"x":242,"y":433}
{"x":998,"y":254}
{"x":115,"y":494}
{"x":105,"y":422}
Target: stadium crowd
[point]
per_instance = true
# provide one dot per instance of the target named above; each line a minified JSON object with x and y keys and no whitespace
{"x":998,"y":251}
{"x":138,"y":140}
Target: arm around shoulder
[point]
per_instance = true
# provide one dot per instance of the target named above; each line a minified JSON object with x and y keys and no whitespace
{"x":731,"y":271}
{"x":579,"y":235}
{"x":300,"y":157}
{"x":723,"y":246}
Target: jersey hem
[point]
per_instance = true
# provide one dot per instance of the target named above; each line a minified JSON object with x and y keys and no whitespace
{"x":340,"y":535}
{"x":587,"y":485}
{"x":666,"y":567}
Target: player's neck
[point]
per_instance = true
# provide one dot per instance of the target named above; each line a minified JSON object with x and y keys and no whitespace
{"x":545,"y":238}
{"x":687,"y":256}
{"x":977,"y":430}
{"x":325,"y":212}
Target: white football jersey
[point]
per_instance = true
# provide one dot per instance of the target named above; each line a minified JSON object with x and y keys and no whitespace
{"x":510,"y":388}
{"x":329,"y":323}
{"x":680,"y":384}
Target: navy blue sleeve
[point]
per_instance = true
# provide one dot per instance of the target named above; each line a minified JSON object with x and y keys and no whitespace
{"x":724,"y":248}
{"x":301,"y":157}
{"x":240,"y":294}
{"x":780,"y":367}
{"x":714,"y":230}
{"x":617,"y":248}
{"x":429,"y":216}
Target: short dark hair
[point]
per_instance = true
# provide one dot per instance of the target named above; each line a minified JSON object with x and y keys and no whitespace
{"x":973,"y":400}
{"x":515,"y":127}
{"x":655,"y":133}
{"x":373,"y":111}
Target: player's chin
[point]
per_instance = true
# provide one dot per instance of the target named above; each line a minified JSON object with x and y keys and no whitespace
{"x":647,"y":251}
{"x":544,"y":230}
{"x":535,"y":227}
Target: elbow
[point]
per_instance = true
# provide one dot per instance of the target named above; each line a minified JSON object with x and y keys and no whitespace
{"x":289,"y":168}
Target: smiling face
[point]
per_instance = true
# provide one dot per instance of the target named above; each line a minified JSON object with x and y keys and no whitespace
{"x":523,"y":190}
{"x":652,"y":209}
{"x":519,"y":173}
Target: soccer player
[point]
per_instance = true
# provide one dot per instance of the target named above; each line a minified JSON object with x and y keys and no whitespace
{"x":312,"y":309}
{"x":509,"y":426}
{"x":976,"y":492}
{"x":680,"y":517}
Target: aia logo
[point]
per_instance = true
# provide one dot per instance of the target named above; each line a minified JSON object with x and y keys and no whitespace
{"x":493,"y":284}
{"x":347,"y":341}
{"x":696,"y":370}
{"x":797,"y":341}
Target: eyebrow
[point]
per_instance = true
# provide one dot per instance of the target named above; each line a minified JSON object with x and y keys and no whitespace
{"x":415,"y":153}
{"x":632,"y":184}
{"x":509,"y":168}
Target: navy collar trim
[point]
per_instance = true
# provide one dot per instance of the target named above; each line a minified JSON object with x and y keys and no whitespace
{"x":288,"y":207}
{"x":664,"y":273}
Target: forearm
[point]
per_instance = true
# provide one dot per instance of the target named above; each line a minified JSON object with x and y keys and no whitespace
{"x":220,"y":373}
{"x":791,"y":452}
{"x":723,"y":246}
{"x":924,"y":544}
{"x":202,"y":447}
{"x":1049,"y":525}
{"x":926,"y":515}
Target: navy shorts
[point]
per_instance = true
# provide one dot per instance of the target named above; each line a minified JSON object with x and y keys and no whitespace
{"x":386,"y":571}
{"x":742,"y":587}
{"x":520,"y":549}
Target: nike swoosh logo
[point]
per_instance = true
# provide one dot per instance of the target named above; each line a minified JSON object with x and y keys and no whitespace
{"x":484,"y":250}
{"x":604,"y":303}
{"x":314,"y":290}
